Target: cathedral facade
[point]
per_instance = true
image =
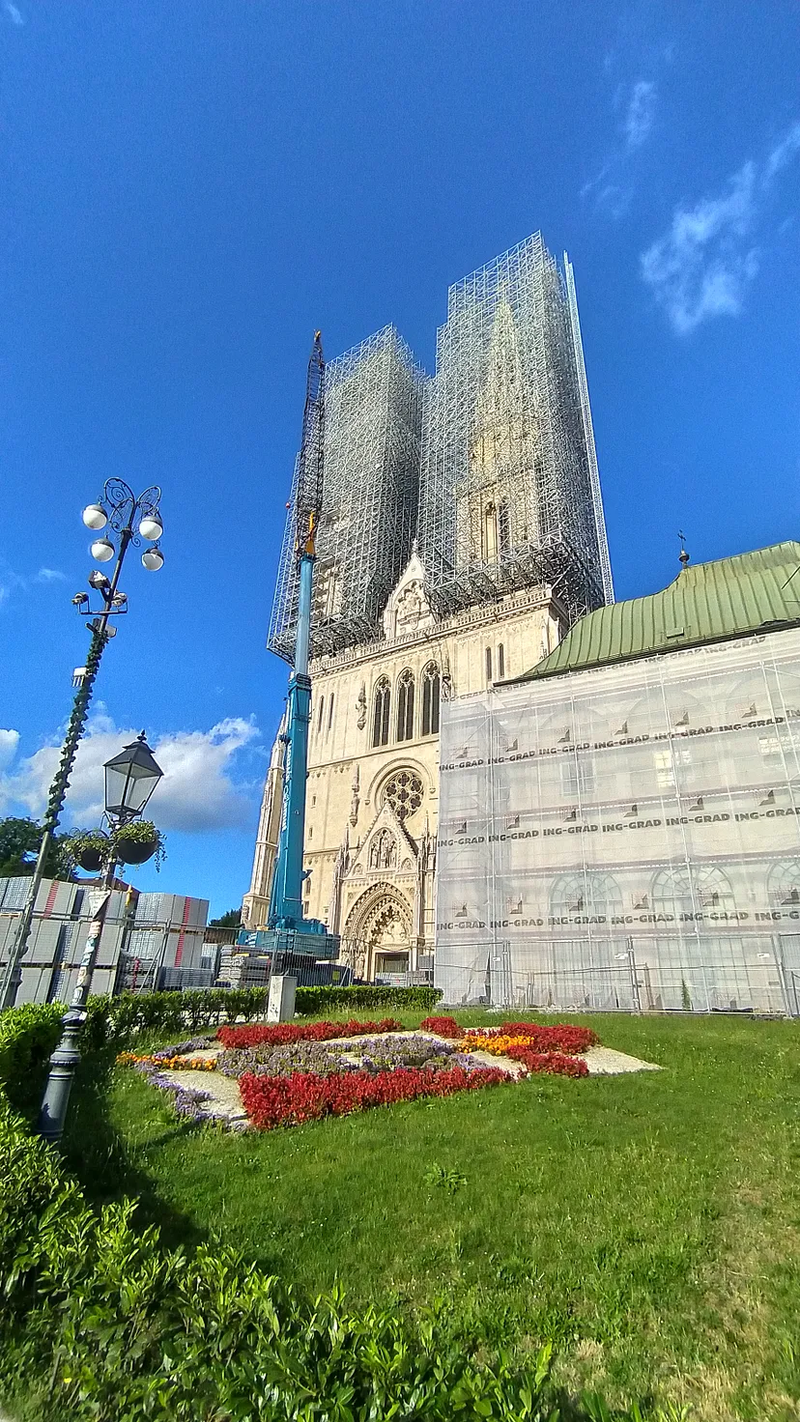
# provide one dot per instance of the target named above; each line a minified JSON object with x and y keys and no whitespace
{"x":461,"y":535}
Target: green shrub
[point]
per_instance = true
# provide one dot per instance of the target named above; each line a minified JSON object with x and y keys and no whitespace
{"x":28,"y":1035}
{"x":315,"y":1001}
{"x":118,"y":1019}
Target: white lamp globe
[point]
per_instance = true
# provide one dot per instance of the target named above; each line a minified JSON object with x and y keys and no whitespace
{"x":94,"y":516}
{"x":102,"y":550}
{"x":151,"y":527}
{"x":153,"y":559}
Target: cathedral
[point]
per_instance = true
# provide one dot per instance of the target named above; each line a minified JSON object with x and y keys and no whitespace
{"x":461,"y":536}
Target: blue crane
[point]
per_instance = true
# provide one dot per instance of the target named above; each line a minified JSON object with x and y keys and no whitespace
{"x":292,"y":932}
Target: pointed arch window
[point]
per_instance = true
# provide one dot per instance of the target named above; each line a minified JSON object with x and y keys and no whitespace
{"x":430,"y":700}
{"x":383,"y":851}
{"x":490,"y":534}
{"x":405,"y":706}
{"x":380,"y":716}
{"x":503,"y":526}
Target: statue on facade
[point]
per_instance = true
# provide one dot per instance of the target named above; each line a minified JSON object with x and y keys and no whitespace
{"x":361,"y":708}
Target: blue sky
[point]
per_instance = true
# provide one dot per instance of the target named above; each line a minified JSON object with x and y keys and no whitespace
{"x":191,"y":188}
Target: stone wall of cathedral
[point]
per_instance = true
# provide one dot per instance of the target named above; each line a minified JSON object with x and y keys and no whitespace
{"x":373,"y":784}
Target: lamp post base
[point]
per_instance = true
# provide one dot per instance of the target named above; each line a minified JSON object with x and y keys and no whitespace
{"x":63,"y":1062}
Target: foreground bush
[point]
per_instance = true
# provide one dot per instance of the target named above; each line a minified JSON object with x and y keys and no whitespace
{"x":100,"y":1322}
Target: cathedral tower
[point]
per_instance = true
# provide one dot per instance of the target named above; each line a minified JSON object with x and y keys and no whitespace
{"x":462,"y":533}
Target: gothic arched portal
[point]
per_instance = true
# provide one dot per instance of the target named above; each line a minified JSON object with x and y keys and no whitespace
{"x":377,"y":934}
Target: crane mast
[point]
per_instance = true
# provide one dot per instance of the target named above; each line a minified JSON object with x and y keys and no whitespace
{"x":292,"y":932}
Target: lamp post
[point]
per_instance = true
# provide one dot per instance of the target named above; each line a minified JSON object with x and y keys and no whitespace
{"x":130,"y":779}
{"x":131,"y":518}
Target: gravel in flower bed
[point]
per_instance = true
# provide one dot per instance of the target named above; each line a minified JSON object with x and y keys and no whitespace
{"x":267,"y":1060}
{"x":371,"y":1054}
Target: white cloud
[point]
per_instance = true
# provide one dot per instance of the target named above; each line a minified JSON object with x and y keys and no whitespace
{"x":9,"y":741}
{"x":641,"y":113}
{"x":50,"y":575}
{"x":13,"y":13}
{"x":702,"y":267}
{"x":612,"y":187}
{"x":198,"y":792}
{"x":705,"y":263}
{"x":783,"y":152}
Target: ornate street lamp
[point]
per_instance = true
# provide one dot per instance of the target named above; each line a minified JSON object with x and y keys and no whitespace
{"x":130,"y":779}
{"x":131,"y":518}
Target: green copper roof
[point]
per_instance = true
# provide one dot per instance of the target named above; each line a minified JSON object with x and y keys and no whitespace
{"x":708,"y":602}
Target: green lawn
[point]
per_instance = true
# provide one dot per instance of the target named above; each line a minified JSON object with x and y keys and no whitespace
{"x":649,"y":1224}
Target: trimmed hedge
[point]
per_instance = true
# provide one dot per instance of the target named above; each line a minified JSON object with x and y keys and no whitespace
{"x":313,"y":1001}
{"x":28,"y":1035}
{"x":100,"y":1322}
{"x":118,"y":1019}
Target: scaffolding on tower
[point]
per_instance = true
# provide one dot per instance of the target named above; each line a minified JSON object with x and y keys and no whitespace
{"x":510,"y":495}
{"x":367,"y":514}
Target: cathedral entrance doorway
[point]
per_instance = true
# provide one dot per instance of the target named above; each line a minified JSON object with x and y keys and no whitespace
{"x":377,"y":935}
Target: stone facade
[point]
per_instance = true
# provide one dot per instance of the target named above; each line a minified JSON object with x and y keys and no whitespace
{"x":373,"y":784}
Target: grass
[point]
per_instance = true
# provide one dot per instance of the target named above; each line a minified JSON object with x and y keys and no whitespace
{"x":649,"y":1224}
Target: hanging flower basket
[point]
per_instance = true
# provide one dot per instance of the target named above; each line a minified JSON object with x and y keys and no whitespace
{"x":90,"y":850}
{"x":132,"y":851}
{"x":91,"y":859}
{"x":137,"y":842}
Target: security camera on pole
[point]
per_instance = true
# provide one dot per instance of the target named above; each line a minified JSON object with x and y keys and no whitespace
{"x":132,"y":519}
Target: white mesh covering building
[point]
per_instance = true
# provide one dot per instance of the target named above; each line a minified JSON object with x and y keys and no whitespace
{"x":620,"y":828}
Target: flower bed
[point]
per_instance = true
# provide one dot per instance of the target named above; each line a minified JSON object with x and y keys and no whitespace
{"x":371,"y":1054}
{"x":565,"y":1038}
{"x":291,"y":1073}
{"x":556,"y":1063}
{"x":284,"y":1032}
{"x":290,"y":1100}
{"x":442,"y":1026}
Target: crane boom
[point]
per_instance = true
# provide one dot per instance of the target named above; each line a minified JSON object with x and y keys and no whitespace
{"x":294,"y":933}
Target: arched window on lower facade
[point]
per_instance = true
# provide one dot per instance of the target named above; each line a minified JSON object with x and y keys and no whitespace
{"x":430,"y":700}
{"x":380,"y":716}
{"x":405,"y":706}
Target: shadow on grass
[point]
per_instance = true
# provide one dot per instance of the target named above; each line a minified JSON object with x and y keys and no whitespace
{"x":98,"y":1155}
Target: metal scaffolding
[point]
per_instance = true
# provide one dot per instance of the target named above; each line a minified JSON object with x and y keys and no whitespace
{"x":373,"y":417}
{"x":510,"y":496}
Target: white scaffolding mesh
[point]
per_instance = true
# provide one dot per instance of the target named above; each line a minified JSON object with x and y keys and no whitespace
{"x":509,"y":495}
{"x":627,"y":837}
{"x":373,"y":415}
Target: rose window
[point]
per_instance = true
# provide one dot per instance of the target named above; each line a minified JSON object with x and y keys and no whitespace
{"x":403,"y":791}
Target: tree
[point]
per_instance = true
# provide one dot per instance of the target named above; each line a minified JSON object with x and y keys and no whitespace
{"x":19,"y":846}
{"x":231,"y":919}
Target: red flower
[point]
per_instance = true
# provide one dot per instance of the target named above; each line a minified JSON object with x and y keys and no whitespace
{"x":283,"y":1032}
{"x":442,"y":1026}
{"x":565,"y":1037}
{"x":557,"y":1063}
{"x":304,"y":1096}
